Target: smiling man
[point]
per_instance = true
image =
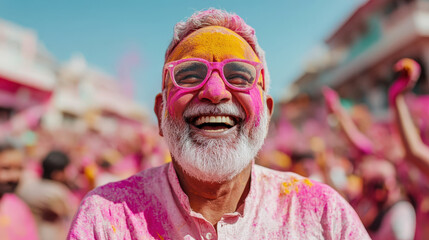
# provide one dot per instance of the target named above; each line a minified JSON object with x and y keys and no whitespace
{"x":214,"y":111}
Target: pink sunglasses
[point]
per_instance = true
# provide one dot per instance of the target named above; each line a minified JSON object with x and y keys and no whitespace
{"x":192,"y":73}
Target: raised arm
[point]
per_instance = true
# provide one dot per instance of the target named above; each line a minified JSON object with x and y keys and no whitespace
{"x":355,"y":137}
{"x":416,"y":151}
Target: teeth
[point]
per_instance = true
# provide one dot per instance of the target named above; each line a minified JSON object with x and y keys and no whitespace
{"x":218,"y":130}
{"x":215,"y":119}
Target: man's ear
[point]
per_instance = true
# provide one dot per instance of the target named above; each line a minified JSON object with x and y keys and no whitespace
{"x":270,"y":105}
{"x":158,"y":111}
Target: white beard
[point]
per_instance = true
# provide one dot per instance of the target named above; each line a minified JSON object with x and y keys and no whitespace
{"x":213,"y":159}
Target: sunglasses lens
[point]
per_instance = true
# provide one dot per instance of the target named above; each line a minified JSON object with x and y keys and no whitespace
{"x":240,"y":74}
{"x":190,"y":74}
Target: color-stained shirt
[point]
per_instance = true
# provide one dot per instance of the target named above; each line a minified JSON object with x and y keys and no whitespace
{"x":16,"y":220}
{"x":279,"y":205}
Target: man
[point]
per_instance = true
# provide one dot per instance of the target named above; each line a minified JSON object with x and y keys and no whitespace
{"x":214,"y":112}
{"x":14,"y":214}
{"x":49,"y":198}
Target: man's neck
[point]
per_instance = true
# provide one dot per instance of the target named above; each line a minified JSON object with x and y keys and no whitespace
{"x":213,"y":199}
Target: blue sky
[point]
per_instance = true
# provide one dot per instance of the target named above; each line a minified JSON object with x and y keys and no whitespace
{"x":104,"y":31}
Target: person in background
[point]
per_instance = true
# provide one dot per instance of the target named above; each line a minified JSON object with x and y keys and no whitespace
{"x":49,"y":198}
{"x":416,"y":152}
{"x":16,"y":220}
{"x":394,"y":217}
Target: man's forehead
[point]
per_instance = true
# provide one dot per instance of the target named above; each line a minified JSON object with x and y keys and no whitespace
{"x":213,"y":43}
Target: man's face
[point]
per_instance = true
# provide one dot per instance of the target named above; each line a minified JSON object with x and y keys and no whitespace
{"x":10,"y":170}
{"x":209,"y":148}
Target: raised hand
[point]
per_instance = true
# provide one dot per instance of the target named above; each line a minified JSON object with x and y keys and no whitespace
{"x":409,"y":72}
{"x":415,"y":150}
{"x":355,"y":137}
{"x":332,"y":100}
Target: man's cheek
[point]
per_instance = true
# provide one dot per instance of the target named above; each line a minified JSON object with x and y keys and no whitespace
{"x":177,"y":99}
{"x":256,"y":101}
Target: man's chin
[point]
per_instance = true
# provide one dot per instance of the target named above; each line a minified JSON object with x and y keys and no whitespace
{"x":213,"y":159}
{"x":210,"y":175}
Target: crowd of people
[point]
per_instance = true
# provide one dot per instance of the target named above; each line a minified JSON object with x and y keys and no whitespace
{"x":48,"y":172}
{"x":380,"y":168}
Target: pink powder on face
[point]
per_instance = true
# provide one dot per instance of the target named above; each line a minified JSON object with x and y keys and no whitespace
{"x":176,"y":95}
{"x":257,"y":98}
{"x":214,"y":88}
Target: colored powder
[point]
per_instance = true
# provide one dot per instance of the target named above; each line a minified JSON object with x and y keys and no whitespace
{"x":257,"y":99}
{"x":213,"y":44}
{"x":308,"y":182}
{"x":294,"y":185}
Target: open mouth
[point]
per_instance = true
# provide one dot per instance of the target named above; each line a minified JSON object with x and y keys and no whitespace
{"x":214,"y":123}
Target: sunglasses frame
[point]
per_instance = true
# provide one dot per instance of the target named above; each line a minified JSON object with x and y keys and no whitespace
{"x":213,"y":66}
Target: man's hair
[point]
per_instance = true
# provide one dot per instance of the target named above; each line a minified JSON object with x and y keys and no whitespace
{"x":216,"y":17}
{"x":54,"y":161}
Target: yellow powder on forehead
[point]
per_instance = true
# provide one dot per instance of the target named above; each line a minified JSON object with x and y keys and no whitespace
{"x":213,"y":44}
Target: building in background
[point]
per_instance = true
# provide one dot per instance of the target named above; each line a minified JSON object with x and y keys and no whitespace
{"x":89,"y":99}
{"x":37,"y":90}
{"x":359,"y":56}
{"x":27,"y":71}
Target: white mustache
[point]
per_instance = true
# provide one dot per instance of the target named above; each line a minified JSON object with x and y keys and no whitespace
{"x":194,"y":110}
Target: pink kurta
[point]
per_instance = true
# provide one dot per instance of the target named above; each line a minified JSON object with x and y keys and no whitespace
{"x":16,"y":220}
{"x":152,"y":205}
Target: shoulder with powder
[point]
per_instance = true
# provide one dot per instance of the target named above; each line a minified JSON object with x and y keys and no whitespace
{"x":288,"y":189}
{"x":285,"y":182}
{"x":299,"y":199}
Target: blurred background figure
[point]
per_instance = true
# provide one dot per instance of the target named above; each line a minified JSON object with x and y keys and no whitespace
{"x":390,"y":215}
{"x":106,"y":171}
{"x":416,"y":152}
{"x":14,"y":213}
{"x":49,"y":198}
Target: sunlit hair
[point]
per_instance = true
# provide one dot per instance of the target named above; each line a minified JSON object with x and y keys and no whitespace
{"x":216,"y":17}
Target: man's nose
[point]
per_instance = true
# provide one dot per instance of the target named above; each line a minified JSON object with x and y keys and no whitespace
{"x":214,"y":90}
